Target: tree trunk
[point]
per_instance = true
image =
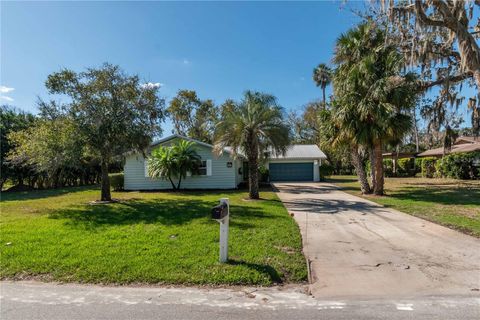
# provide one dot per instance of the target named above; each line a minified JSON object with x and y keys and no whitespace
{"x":179,"y":182}
{"x":106,"y":196}
{"x":372,"y":167}
{"x":173,"y":184}
{"x":324,"y":100}
{"x":415,"y":130}
{"x":362,"y":176}
{"x":253,"y":179}
{"x":378,"y":187}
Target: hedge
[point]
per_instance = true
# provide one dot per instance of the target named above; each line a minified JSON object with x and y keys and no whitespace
{"x":116,"y":181}
{"x":459,"y":166}
{"x":406,"y":167}
{"x":428,"y":167}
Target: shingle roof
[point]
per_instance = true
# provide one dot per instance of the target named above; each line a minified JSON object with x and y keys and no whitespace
{"x":464,"y":147}
{"x":301,"y":151}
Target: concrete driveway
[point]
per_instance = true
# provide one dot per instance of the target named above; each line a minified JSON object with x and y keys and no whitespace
{"x":358,"y":248}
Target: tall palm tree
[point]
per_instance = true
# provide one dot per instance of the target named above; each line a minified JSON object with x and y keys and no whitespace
{"x":322,"y":75}
{"x":254,"y":127}
{"x":373,"y":95}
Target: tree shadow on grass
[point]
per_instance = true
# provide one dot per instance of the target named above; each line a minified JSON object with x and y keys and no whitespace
{"x":40,"y":194}
{"x":441,"y":195}
{"x":165,"y":212}
{"x":262,"y":268}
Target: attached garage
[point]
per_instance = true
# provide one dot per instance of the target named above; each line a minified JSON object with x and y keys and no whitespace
{"x":299,"y":163}
{"x":291,"y":171}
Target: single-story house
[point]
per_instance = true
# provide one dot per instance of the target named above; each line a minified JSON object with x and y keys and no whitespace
{"x":462,"y":144}
{"x":300,"y":163}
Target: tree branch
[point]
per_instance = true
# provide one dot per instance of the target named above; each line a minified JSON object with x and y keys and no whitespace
{"x":424,"y":18}
{"x":424,"y":85}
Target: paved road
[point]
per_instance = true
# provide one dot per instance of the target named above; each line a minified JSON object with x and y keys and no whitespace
{"x":359,"y":249}
{"x":30,"y":300}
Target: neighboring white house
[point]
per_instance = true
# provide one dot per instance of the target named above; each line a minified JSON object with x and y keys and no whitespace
{"x":300,"y":163}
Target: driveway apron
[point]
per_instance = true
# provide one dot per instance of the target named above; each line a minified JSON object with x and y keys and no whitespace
{"x":358,"y":248}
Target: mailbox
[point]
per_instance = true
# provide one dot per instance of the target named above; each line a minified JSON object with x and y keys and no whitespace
{"x":219,"y":212}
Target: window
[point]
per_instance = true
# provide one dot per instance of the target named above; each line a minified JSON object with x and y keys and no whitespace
{"x":202,"y":170}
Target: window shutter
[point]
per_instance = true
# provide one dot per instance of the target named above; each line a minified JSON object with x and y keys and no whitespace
{"x":209,"y":167}
{"x":145,"y":162}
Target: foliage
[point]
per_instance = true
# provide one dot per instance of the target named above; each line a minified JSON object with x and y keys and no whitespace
{"x":53,"y":149}
{"x":117,"y":181}
{"x":253,"y":127}
{"x":193,"y":117}
{"x":372,"y":95}
{"x":418,"y":164}
{"x":174,"y":161}
{"x":264,"y":174}
{"x":406,"y":167}
{"x":388,"y":167}
{"x":113,"y":112}
{"x":12,"y":120}
{"x":428,"y":167}
{"x":437,"y":38}
{"x":147,"y":237}
{"x":325,"y":170}
{"x":322,"y":76}
{"x":459,"y":165}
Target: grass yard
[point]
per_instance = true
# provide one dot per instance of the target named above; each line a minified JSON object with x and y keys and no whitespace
{"x":148,"y":237}
{"x":452,"y":203}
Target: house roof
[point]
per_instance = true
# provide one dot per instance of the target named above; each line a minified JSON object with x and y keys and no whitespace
{"x":467,"y":139}
{"x":301,"y":151}
{"x":399,"y":155}
{"x":295,"y":151}
{"x":464,"y":147}
{"x":174,"y":136}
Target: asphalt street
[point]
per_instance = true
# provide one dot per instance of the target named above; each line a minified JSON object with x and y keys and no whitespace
{"x":33,"y":300}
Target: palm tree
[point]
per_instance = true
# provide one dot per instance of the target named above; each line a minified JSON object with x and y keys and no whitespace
{"x":322,"y":75}
{"x":187,"y":159}
{"x":161,"y":164}
{"x":253,"y":127}
{"x":373,"y":95}
{"x":174,"y":162}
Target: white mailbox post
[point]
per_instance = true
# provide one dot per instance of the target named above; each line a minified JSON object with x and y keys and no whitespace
{"x":221,"y":213}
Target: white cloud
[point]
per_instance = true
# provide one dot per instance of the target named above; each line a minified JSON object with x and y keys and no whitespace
{"x":6,"y":98}
{"x":151,"y":85}
{"x":186,"y":61}
{"x":5,"y":89}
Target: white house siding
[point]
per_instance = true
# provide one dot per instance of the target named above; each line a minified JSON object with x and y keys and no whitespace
{"x":316,"y":165}
{"x":222,"y":177}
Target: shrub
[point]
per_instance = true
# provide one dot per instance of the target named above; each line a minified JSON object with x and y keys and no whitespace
{"x":428,"y":167}
{"x":406,"y":167}
{"x":116,"y":181}
{"x":459,"y":166}
{"x":264,"y":174}
{"x":325,"y":170}
{"x":418,"y":165}
{"x":388,"y":167}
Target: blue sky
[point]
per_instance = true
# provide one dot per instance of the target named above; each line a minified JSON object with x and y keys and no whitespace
{"x":217,"y":49}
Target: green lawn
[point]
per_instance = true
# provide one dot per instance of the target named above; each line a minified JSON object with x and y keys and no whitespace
{"x":453,"y":203}
{"x":150,"y":237}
